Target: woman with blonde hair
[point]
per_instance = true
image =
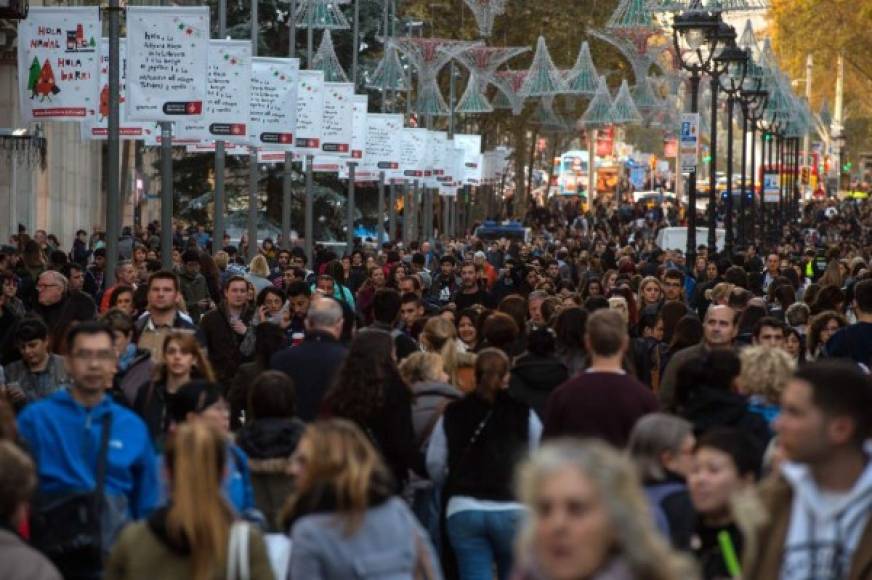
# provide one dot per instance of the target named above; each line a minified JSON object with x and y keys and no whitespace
{"x":585,"y":503}
{"x":720,"y":294}
{"x":650,"y":293}
{"x":258,"y":273}
{"x":764,"y":375}
{"x":440,"y":336}
{"x":343,"y":521}
{"x":182,"y":360}
{"x":190,"y":538}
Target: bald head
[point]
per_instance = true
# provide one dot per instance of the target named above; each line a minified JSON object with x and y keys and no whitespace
{"x":324,"y":315}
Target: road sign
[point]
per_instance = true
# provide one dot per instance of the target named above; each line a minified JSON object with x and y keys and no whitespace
{"x":771,"y":187}
{"x":688,"y":140}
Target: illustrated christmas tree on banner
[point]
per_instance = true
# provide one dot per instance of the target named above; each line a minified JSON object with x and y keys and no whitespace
{"x":326,"y":60}
{"x":44,"y":86}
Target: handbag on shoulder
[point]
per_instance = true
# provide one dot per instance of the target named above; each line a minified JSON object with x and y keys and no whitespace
{"x":67,"y":528}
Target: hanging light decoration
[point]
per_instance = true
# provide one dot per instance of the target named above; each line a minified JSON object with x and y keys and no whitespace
{"x":624,"y":111}
{"x":389,"y":74}
{"x":482,"y":62}
{"x":581,"y":79}
{"x":543,"y":78}
{"x":509,"y":96}
{"x":485,"y":11}
{"x":322,"y":14}
{"x":599,"y":110}
{"x":325,"y":60}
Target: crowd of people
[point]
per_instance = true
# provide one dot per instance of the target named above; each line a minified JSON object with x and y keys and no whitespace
{"x":585,"y":405}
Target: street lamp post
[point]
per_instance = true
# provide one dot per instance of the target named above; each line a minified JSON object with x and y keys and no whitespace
{"x":695,"y":27}
{"x":735,"y":61}
{"x":752,"y":100}
{"x":724,"y":35}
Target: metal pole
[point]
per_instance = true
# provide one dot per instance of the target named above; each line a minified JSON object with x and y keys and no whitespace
{"x":310,"y":208}
{"x":728,"y":212}
{"x":451,"y":97}
{"x":743,"y":200}
{"x":753,"y":174}
{"x":385,"y":36}
{"x":356,"y":43}
{"x":691,"y":183}
{"x":218,"y":226}
{"x":252,"y":160}
{"x":113,"y":191}
{"x":809,"y":70}
{"x":349,"y":237}
{"x":445,"y":211}
{"x":288,"y":169}
{"x":166,"y":195}
{"x":380,"y":215}
{"x":779,"y":164}
{"x":392,"y":214}
{"x":713,"y":178}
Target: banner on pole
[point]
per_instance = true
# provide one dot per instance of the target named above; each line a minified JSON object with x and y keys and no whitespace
{"x":413,"y":152}
{"x":438,"y":157}
{"x":228,"y":95}
{"x":381,"y":133}
{"x":310,"y":111}
{"x":471,"y":144}
{"x":209,"y":147}
{"x":338,"y":121}
{"x":358,"y":127}
{"x":273,"y":104}
{"x":168,"y":50}
{"x":97,"y":127}
{"x":59,"y":64}
{"x":688,"y":142}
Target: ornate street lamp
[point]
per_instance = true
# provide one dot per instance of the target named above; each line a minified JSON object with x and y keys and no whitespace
{"x":735,"y":61}
{"x":692,"y":37}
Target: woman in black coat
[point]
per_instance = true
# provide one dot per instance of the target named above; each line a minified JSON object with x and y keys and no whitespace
{"x":538,"y":371}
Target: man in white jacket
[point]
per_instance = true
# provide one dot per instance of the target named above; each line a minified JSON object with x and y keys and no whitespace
{"x":820,"y":504}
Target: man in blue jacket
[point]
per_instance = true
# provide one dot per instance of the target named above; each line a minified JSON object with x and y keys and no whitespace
{"x":63,"y":434}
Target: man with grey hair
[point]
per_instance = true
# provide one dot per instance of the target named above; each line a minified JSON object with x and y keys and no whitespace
{"x":313,"y":363}
{"x":60,"y":307}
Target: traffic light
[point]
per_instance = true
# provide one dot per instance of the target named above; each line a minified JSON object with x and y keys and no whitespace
{"x":707,"y":158}
{"x":847,"y":167}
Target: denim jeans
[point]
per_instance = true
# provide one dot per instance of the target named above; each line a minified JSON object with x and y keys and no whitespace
{"x":480,"y":538}
{"x":425,"y":505}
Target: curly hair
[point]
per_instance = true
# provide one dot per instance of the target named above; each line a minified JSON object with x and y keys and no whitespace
{"x":765,"y":371}
{"x":358,"y":391}
{"x":817,"y":324}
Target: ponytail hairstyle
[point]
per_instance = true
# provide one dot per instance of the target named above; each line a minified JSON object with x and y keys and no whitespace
{"x":491,"y":368}
{"x":199,"y":515}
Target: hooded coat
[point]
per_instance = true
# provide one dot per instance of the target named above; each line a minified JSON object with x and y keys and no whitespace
{"x":533,"y":379}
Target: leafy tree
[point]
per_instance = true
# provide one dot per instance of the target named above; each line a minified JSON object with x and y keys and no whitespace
{"x":824,"y":29}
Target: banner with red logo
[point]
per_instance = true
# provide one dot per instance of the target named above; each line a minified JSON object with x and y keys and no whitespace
{"x":228,"y":96}
{"x":59,"y":64}
{"x":272,"y":113}
{"x":168,"y":55}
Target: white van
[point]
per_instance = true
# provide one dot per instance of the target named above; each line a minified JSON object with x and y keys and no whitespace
{"x":676,"y":238}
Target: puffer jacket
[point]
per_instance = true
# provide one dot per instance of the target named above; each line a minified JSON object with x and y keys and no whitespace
{"x":430,"y":402}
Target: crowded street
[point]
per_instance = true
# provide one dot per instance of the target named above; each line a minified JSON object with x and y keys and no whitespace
{"x":393,"y":290}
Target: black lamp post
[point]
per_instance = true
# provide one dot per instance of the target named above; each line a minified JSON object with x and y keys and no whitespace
{"x":696,"y":27}
{"x":757,"y":100}
{"x":735,"y":61}
{"x":723,"y":36}
{"x":749,"y":99}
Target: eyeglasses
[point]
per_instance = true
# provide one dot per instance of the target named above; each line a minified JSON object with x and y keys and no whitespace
{"x":95,"y":355}
{"x":44,"y":286}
